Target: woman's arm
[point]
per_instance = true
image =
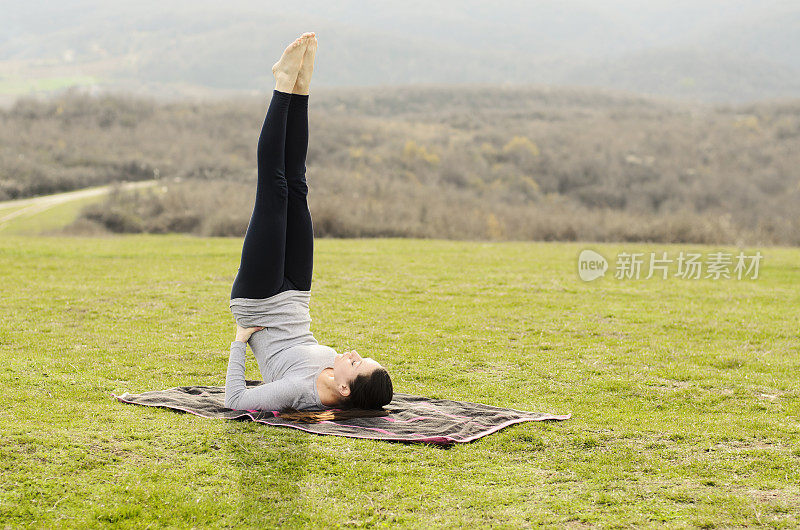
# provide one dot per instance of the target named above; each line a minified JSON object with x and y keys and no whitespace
{"x":276,"y":395}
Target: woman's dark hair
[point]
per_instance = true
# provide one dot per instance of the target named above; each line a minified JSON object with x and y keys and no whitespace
{"x":368,"y":395}
{"x":371,"y":391}
{"x":316,"y":416}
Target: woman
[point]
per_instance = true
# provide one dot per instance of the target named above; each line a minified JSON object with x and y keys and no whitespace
{"x":271,"y":293}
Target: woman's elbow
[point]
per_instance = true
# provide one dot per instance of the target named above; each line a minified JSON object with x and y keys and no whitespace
{"x":231,"y":400}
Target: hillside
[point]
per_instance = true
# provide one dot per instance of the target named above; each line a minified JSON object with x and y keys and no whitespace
{"x":472,"y":162}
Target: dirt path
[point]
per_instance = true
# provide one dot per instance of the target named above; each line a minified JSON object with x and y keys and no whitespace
{"x":35,"y":205}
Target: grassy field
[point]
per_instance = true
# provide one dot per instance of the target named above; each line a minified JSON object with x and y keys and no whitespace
{"x":684,"y":393}
{"x":52,"y":218}
{"x":19,"y":86}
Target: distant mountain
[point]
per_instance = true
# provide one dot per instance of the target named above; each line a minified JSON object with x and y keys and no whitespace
{"x":709,"y":51}
{"x":692,"y":73}
{"x":772,"y":35}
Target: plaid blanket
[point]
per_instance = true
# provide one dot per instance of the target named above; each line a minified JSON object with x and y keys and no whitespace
{"x":411,"y":418}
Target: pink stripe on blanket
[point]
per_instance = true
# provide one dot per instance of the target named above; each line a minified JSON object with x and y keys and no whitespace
{"x":384,"y":431}
{"x":387,"y":418}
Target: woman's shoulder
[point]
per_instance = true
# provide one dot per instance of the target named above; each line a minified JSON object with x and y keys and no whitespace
{"x":305,"y":390}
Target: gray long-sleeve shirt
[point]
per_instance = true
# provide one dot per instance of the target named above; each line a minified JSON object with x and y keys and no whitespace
{"x":289,"y":357}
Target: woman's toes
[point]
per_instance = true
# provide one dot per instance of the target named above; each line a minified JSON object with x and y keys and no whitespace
{"x":290,"y":62}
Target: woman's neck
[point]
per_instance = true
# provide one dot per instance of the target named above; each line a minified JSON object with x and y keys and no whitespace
{"x":326,"y":388}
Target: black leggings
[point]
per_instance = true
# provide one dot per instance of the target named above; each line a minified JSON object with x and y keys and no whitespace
{"x":278,"y":251}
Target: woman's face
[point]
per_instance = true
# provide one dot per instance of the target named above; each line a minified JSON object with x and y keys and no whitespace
{"x":348,"y":365}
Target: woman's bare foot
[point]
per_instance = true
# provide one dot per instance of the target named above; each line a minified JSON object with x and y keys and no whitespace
{"x":304,"y":75}
{"x":288,"y":66}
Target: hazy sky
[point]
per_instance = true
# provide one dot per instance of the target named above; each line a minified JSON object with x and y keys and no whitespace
{"x":712,"y":49}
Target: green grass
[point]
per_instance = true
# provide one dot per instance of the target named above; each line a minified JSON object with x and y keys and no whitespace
{"x":6,"y":209}
{"x":684,"y":393}
{"x":16,"y":86}
{"x":52,"y":218}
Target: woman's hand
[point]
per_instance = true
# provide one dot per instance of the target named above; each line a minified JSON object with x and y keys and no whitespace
{"x":243,"y":334}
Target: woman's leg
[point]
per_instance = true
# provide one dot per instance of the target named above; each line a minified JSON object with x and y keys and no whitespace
{"x":261,"y":271}
{"x":299,"y":259}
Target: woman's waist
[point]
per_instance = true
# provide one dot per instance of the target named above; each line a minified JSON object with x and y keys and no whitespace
{"x":288,"y":313}
{"x":289,"y":296}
